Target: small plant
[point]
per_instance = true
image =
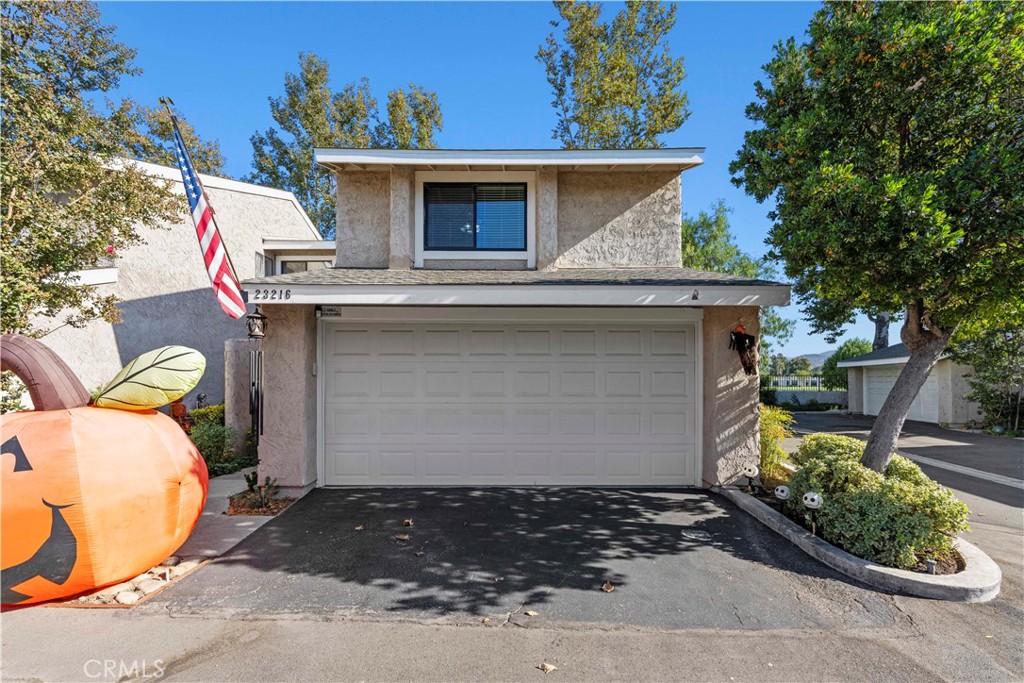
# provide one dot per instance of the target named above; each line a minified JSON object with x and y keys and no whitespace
{"x":267,"y":492}
{"x":214,"y":414}
{"x":817,"y":446}
{"x":251,"y":479}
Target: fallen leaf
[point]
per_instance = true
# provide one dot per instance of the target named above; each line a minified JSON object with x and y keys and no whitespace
{"x":607,"y":587}
{"x":485,"y":620}
{"x":407,"y":522}
{"x":402,"y":537}
{"x":360,"y":527}
{"x":498,"y":578}
{"x":547,"y":668}
{"x":530,"y":613}
{"x":420,"y":553}
{"x":989,"y":636}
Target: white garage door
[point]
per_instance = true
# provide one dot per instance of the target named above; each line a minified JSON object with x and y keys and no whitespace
{"x":474,"y":404}
{"x":878,"y":381}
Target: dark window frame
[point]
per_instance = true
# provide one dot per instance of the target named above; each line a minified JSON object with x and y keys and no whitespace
{"x":426,"y":218}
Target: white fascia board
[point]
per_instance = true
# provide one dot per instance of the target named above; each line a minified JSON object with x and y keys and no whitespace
{"x":284,"y":244}
{"x":174,"y":175}
{"x":96,"y":276}
{"x":515,"y":295}
{"x":690,"y":156}
{"x":866,"y":363}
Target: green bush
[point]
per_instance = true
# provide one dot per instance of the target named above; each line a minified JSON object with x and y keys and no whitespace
{"x":214,"y":441}
{"x":775,"y":424}
{"x":213,"y":414}
{"x":892,"y":520}
{"x":816,"y":446}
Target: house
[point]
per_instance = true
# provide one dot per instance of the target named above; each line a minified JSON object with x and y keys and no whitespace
{"x":512,"y":317}
{"x":165,"y":292}
{"x":942,"y":399}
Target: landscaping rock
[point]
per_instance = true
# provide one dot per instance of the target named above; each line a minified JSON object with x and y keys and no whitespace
{"x":127,"y":597}
{"x":170,"y":561}
{"x":185,"y":566}
{"x":151,"y":585}
{"x":111,"y":591}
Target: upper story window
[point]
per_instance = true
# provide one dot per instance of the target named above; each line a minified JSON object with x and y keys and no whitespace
{"x":474,"y":216}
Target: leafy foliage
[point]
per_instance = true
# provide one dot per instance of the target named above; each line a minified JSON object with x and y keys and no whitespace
{"x":893,"y":519}
{"x":69,"y":202}
{"x":836,"y":377}
{"x":997,"y":381}
{"x":708,"y":244}
{"x":213,"y":414}
{"x":155,"y":143}
{"x":615,"y":85}
{"x":775,"y":423}
{"x":311,"y":114}
{"x":892,"y":141}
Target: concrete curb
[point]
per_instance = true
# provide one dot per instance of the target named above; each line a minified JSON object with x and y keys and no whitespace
{"x":978,"y":582}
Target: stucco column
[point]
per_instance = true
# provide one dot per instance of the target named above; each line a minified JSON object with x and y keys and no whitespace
{"x":731,"y":436}
{"x":287,"y":448}
{"x":855,"y":390}
{"x":547,"y":218}
{"x":402,"y":212}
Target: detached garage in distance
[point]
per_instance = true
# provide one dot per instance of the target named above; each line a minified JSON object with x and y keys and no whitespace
{"x":940,"y":401}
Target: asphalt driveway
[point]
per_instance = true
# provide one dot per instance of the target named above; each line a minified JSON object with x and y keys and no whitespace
{"x":677,"y":559}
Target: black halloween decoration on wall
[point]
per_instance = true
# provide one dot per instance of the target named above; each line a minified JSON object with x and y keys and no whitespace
{"x":746,"y":346}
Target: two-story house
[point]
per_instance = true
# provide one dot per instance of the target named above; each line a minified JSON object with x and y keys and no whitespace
{"x":507,"y":317}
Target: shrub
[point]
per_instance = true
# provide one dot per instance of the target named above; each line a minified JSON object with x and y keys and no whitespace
{"x":213,"y":414}
{"x":891,"y":520}
{"x":774,"y":430}
{"x":816,"y":446}
{"x":214,"y":443}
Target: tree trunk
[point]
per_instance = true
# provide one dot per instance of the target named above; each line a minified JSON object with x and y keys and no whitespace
{"x":926,"y":343}
{"x":881,"y":322}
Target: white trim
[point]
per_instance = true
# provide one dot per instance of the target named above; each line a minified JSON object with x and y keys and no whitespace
{"x":518,"y":295}
{"x":279,"y":259}
{"x":320,"y":403}
{"x":683,"y":156}
{"x":514,"y":314}
{"x":209,"y":181}
{"x":285,"y":244}
{"x":850,"y":363}
{"x":96,"y":276}
{"x":528,"y":177}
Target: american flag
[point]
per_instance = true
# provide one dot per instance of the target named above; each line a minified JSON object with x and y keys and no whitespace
{"x":215,"y":255}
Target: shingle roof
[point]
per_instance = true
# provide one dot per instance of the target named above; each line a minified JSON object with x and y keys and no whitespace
{"x":894,"y":352}
{"x":668,"y":277}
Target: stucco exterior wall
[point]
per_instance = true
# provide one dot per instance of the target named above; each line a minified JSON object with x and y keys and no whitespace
{"x":962,"y":410}
{"x":363,"y":233}
{"x":403,"y":197}
{"x":618,"y":219}
{"x":731,"y":420}
{"x":287,"y":449}
{"x":855,"y":391}
{"x":166,"y":294}
{"x":547,"y":218}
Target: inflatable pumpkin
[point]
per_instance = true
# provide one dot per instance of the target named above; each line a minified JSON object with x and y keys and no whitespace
{"x":91,"y":496}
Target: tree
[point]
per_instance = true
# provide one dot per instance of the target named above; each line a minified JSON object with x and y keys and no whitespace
{"x":615,"y":86}
{"x":881,"y":321}
{"x":68,"y":201}
{"x":798,"y":366}
{"x":891,"y":141}
{"x":997,"y":380}
{"x":156,"y":142}
{"x":778,"y":364}
{"x":836,"y":377}
{"x":311,"y":114}
{"x":708,"y":244}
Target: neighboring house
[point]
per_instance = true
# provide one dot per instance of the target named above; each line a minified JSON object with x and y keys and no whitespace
{"x":508,"y":318}
{"x":941,"y":400}
{"x":165,"y":291}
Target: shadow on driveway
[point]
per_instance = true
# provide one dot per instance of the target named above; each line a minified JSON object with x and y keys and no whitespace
{"x":676,"y":558}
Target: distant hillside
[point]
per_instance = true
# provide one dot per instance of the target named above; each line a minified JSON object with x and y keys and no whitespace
{"x":817,"y":358}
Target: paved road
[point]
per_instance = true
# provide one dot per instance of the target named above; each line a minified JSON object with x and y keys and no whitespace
{"x":872,"y":637}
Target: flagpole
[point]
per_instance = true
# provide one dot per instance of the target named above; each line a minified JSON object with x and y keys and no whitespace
{"x":167,"y":102}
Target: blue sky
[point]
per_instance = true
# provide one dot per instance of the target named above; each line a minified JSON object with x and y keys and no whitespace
{"x":220,"y":62}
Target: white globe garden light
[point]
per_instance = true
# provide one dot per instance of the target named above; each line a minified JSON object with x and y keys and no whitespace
{"x":782,"y":492}
{"x":812,"y":500}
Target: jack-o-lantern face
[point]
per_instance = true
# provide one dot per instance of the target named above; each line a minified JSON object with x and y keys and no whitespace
{"x":92,"y":496}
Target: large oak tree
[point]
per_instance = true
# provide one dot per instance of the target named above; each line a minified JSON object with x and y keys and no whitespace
{"x":892,"y":140}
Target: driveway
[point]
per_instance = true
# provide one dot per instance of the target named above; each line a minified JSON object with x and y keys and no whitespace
{"x":675,"y":559}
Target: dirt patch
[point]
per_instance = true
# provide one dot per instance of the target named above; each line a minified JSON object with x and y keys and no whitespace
{"x":248,"y":503}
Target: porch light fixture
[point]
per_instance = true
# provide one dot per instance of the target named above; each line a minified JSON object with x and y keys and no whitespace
{"x":256,"y":324}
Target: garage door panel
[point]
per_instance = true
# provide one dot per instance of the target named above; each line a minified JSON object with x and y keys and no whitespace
{"x":878,"y":382}
{"x":479,"y":405}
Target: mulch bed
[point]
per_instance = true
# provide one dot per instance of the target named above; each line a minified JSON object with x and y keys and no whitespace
{"x":950,"y":564}
{"x":239,"y":505}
